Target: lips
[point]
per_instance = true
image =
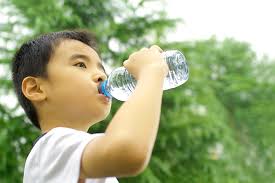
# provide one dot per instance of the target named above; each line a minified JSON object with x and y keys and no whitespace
{"x":104,"y":98}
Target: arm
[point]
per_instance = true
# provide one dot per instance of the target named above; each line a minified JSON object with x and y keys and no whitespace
{"x":126,"y":148}
{"x":137,"y":121}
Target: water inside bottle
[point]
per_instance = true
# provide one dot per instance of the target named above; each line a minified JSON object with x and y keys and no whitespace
{"x":122,"y":86}
{"x":178,"y":70}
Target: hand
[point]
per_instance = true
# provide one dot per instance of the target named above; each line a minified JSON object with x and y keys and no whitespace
{"x":144,"y":59}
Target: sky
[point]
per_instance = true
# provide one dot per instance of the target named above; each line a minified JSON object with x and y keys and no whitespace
{"x":251,"y":21}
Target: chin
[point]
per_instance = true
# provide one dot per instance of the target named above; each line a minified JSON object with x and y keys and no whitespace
{"x":100,"y":116}
{"x":105,"y":116}
{"x":97,"y":121}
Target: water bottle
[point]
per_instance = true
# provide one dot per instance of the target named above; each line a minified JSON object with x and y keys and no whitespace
{"x":120,"y":83}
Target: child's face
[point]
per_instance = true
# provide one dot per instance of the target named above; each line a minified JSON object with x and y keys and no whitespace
{"x":72,"y":87}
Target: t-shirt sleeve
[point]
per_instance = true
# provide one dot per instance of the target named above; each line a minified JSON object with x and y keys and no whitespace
{"x":59,"y":155}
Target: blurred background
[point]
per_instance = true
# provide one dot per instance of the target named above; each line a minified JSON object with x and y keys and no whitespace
{"x":216,"y":128}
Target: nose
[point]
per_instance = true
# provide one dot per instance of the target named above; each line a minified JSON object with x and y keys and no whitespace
{"x":98,"y":78}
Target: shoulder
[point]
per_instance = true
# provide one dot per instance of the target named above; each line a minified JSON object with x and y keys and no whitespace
{"x":59,"y":141}
{"x":61,"y":137}
{"x":58,"y":150}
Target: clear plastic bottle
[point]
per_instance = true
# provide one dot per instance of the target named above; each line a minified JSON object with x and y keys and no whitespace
{"x":120,"y":83}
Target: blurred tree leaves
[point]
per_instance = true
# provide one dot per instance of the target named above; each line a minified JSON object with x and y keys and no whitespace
{"x":217,"y":127}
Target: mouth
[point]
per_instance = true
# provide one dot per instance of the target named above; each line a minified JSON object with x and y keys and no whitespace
{"x":101,"y":89}
{"x":104,"y":98}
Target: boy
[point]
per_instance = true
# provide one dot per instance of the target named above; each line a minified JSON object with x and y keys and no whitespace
{"x":56,"y":79}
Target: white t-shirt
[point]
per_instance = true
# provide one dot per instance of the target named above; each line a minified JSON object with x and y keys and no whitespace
{"x":56,"y":158}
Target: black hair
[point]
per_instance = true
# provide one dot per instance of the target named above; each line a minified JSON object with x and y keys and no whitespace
{"x":32,"y":58}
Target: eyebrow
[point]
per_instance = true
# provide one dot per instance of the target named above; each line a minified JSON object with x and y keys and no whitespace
{"x":85,"y":57}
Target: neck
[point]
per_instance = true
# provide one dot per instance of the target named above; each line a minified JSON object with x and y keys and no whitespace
{"x":48,"y":125}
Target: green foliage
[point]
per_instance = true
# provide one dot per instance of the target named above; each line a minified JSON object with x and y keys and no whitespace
{"x":243,"y":90}
{"x":215,"y":128}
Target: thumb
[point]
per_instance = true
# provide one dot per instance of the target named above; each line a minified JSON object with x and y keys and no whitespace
{"x":125,"y":62}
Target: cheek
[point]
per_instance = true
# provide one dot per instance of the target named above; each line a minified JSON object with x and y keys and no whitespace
{"x":98,"y":111}
{"x":78,"y":93}
{"x":73,"y":90}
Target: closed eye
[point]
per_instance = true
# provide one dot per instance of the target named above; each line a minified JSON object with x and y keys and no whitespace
{"x":81,"y":64}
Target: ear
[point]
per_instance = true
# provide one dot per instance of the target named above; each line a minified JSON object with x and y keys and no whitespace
{"x":33,"y":89}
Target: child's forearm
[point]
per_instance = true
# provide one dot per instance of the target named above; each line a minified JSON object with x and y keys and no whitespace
{"x":137,"y":120}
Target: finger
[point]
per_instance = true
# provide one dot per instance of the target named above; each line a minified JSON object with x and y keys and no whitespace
{"x":144,"y":49}
{"x":132,"y":55}
{"x":156,"y":47}
{"x":125,"y":62}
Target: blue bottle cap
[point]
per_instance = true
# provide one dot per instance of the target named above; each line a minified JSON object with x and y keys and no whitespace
{"x":102,"y":89}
